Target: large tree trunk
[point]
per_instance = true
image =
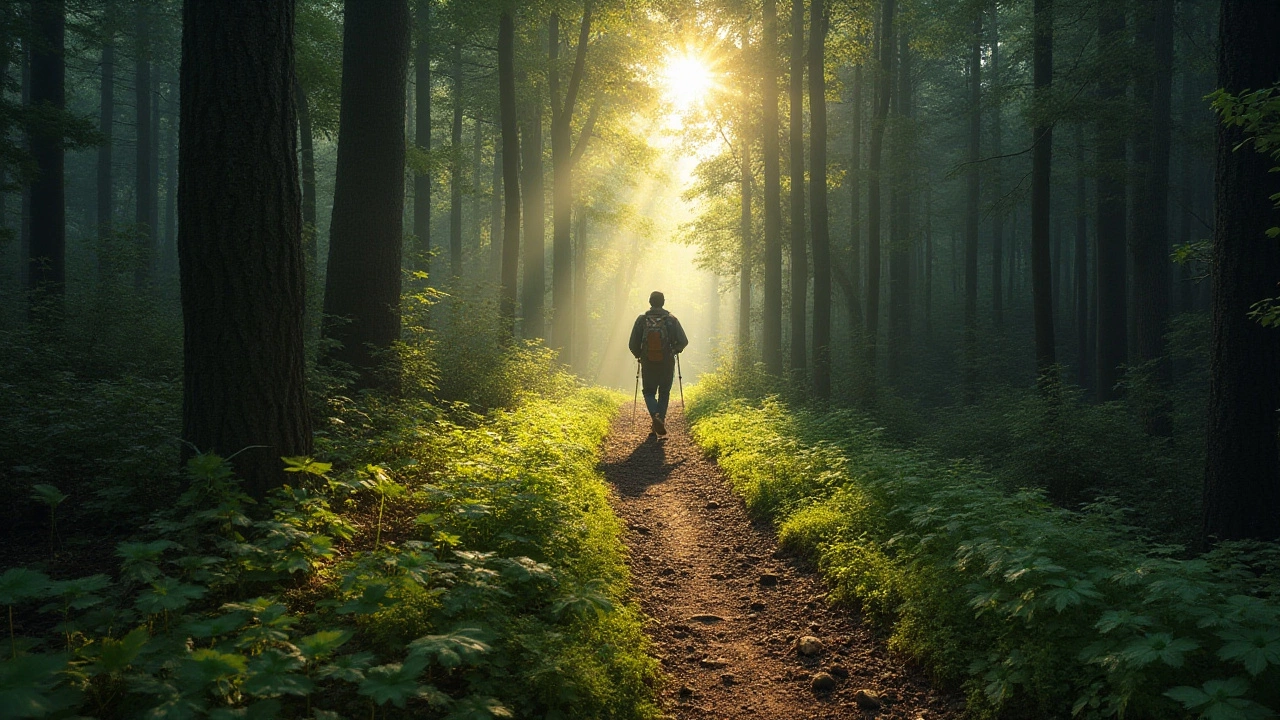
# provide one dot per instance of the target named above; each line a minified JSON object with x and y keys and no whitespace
{"x":562,"y":180}
{"x":171,"y":178}
{"x":1112,"y":191}
{"x":771,"y":313}
{"x":884,"y":92}
{"x":1041,"y":165}
{"x":818,"y":201}
{"x":47,"y":252}
{"x":744,"y":230}
{"x":799,"y":256}
{"x":106,"y":122}
{"x":1084,"y":374}
{"x":362,"y":288}
{"x":972,"y":213}
{"x":455,"y":169}
{"x":900,"y":242}
{"x":240,"y":240}
{"x":421,"y":135}
{"x":1151,"y":225}
{"x":581,"y":350}
{"x":510,"y":170}
{"x":306,"y":135}
{"x":494,"y":273}
{"x":535,"y":215}
{"x":855,"y":209}
{"x":1242,"y":479}
{"x":144,"y":172}
{"x":997,"y":178}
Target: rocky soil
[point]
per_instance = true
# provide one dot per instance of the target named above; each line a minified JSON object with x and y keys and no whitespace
{"x":741,"y":631}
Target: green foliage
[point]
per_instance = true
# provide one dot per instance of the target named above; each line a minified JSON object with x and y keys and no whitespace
{"x":1036,"y":610}
{"x":473,"y":573}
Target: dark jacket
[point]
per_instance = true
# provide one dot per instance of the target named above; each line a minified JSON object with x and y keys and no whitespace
{"x":676,"y":339}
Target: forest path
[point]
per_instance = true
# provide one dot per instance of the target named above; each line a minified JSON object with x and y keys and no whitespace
{"x":726,"y":610}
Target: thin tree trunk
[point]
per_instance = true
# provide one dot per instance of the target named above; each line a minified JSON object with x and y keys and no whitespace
{"x":47,"y":252}
{"x":1112,"y":191}
{"x":24,"y":231}
{"x":362,"y":286}
{"x":171,"y":179}
{"x":972,"y":212}
{"x":1084,"y":372}
{"x":455,"y":169}
{"x":495,"y":212}
{"x":997,"y":178}
{"x":884,"y":92}
{"x":745,"y":233}
{"x":421,"y":135}
{"x":928,"y":265}
{"x":535,"y":209}
{"x":159,"y":253}
{"x":900,"y":243}
{"x":1186,"y":157}
{"x":510,"y":170}
{"x":855,"y":209}
{"x":580,"y":315}
{"x":799,"y":255}
{"x":308,"y":161}
{"x":562,"y":180}
{"x":1242,"y":478}
{"x":818,"y":201}
{"x":1041,"y":167}
{"x":240,"y":240}
{"x":771,"y":315}
{"x":106,"y":122}
{"x":145,"y":173}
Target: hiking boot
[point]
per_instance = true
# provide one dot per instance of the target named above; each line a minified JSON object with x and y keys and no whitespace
{"x":655,"y":425}
{"x":659,"y":424}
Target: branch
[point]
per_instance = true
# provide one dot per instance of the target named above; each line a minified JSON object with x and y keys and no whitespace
{"x":581,"y":148}
{"x":579,"y":62}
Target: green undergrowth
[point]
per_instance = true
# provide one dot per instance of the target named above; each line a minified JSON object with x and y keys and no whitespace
{"x":437,"y":569}
{"x":1034,"y":610}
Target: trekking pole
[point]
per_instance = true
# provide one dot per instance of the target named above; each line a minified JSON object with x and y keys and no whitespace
{"x":680,"y":377}
{"x":635,"y":402}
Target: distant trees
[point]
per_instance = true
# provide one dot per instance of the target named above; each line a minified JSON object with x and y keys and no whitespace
{"x":240,"y":240}
{"x":1041,"y":166}
{"x":47,"y":251}
{"x":1112,"y":198}
{"x":799,"y":257}
{"x":533,"y":197}
{"x":362,"y":290}
{"x":510,"y":170}
{"x":818,"y":200}
{"x":422,"y":131}
{"x":875,"y":154}
{"x":771,"y":312}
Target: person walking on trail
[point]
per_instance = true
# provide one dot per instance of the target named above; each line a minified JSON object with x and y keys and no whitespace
{"x":656,"y":340}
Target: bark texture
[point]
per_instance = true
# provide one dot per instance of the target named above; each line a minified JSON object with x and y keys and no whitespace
{"x":799,"y":255}
{"x":771,"y":312}
{"x":821,"y":236}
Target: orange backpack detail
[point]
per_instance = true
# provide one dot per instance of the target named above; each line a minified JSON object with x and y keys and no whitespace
{"x":655,"y":338}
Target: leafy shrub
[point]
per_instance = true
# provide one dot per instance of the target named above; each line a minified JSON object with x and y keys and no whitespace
{"x":1036,"y":610}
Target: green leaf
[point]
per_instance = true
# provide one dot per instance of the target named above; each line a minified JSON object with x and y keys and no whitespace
{"x":167,"y":594}
{"x":477,"y":707}
{"x":592,"y":599}
{"x":350,"y":668}
{"x":318,"y":646}
{"x":261,"y":710}
{"x":1159,"y":646}
{"x":395,"y":683}
{"x":1255,"y":648}
{"x":373,"y":599}
{"x":19,"y":585}
{"x":27,"y":686}
{"x":47,"y":495}
{"x":306,"y":465}
{"x":271,"y":674}
{"x":211,"y":627}
{"x":116,"y":655}
{"x":1126,"y":619}
{"x":1220,"y":700}
{"x":463,"y":645}
{"x":205,"y":666}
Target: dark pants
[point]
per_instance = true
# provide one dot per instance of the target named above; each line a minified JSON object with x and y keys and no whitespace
{"x":656,"y":378}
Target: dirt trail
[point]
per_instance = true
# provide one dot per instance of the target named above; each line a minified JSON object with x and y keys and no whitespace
{"x":726,"y":611}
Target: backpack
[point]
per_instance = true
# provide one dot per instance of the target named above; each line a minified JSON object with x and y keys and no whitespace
{"x":655,"y":337}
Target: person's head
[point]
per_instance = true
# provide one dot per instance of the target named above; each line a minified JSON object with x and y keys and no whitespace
{"x":656,"y":299}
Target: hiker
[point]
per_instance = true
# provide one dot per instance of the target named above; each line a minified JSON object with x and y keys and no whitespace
{"x":656,"y":340}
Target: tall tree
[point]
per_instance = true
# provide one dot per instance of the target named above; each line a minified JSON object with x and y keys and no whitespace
{"x":1112,"y":191}
{"x":1242,"y":476}
{"x":972,"y":213}
{"x":1041,"y":166}
{"x":240,"y":240}
{"x":1084,"y":373}
{"x":422,"y":132}
{"x":510,"y":154}
{"x":1150,"y":242}
{"x":47,"y":252}
{"x":855,"y":204}
{"x":997,"y":179}
{"x":900,"y":241}
{"x":144,"y":186}
{"x":307,"y":157}
{"x":106,"y":122}
{"x":535,"y":216}
{"x":745,"y":231}
{"x":818,"y":200}
{"x":581,"y":350}
{"x":455,"y":168}
{"x":875,"y":152}
{"x":771,"y":313}
{"x":362,"y":288}
{"x":799,"y":255}
{"x":562,"y":109}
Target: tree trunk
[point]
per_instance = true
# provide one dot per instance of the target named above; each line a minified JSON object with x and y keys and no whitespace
{"x":535,"y":214}
{"x":900,"y":243}
{"x":145,"y":173}
{"x":362,"y":289}
{"x":159,"y":252}
{"x":1242,"y":478}
{"x":106,"y":122}
{"x":24,"y":230}
{"x":997,"y":179}
{"x":1084,"y":372}
{"x":510,"y":170}
{"x":421,"y":135}
{"x":1041,"y":166}
{"x":972,"y":213}
{"x":821,"y":236}
{"x":928,"y":266}
{"x":1112,"y":191}
{"x":771,"y":313}
{"x":799,"y":256}
{"x":580,"y":315}
{"x":240,"y":240}
{"x":308,"y":158}
{"x":745,"y":232}
{"x":171,"y":178}
{"x":1151,"y":227}
{"x":495,"y":213}
{"x":47,"y":252}
{"x":855,"y":209}
{"x":884,"y":92}
{"x":562,"y":180}
{"x":455,"y":169}
{"x":1186,"y":158}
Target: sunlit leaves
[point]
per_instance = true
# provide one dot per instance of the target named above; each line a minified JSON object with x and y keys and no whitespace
{"x":167,"y":594}
{"x":459,"y":647}
{"x":320,"y":645}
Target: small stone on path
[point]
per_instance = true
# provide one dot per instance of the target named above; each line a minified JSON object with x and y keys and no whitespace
{"x":707,"y":619}
{"x":768,"y":579}
{"x":809,"y":645}
{"x":867,"y":699}
{"x":713,"y":505}
{"x":714,"y":663}
{"x":822,"y":683}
